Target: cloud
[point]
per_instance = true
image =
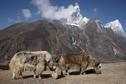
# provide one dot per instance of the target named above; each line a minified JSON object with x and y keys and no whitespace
{"x":95,"y":10}
{"x":26,"y":13}
{"x":47,"y":10}
{"x":15,"y":20}
{"x":70,"y":14}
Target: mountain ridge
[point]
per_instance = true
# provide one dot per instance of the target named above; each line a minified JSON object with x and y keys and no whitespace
{"x":115,"y":26}
{"x":57,"y":38}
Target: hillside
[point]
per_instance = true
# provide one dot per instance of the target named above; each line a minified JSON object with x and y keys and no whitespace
{"x":57,"y":38}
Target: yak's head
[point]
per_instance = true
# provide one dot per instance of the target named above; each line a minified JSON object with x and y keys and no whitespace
{"x":93,"y":64}
{"x":54,"y":68}
{"x":56,"y":71}
{"x":97,"y":68}
{"x":50,"y":63}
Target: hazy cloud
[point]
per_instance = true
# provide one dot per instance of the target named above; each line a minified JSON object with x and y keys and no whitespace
{"x":15,"y":20}
{"x":26,"y":13}
{"x":47,"y":10}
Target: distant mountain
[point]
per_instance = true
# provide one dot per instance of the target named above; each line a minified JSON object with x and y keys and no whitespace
{"x":75,"y":17}
{"x":115,"y":26}
{"x":103,"y":42}
{"x":58,"y":38}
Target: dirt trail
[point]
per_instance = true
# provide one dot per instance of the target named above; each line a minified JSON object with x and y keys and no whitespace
{"x":112,"y":73}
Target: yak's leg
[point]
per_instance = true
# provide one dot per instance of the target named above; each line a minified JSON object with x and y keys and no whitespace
{"x":67,"y":67}
{"x":83,"y":69}
{"x":13,"y":75}
{"x":67,"y":73}
{"x":39,"y":69}
{"x":39,"y":76}
{"x":63,"y":70}
{"x":14,"y":72}
{"x":34,"y":75}
{"x":20,"y":74}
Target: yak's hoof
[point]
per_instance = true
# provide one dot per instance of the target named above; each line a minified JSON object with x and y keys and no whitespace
{"x":39,"y":78}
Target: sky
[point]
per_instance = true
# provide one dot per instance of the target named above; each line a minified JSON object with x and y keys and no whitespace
{"x":14,"y":11}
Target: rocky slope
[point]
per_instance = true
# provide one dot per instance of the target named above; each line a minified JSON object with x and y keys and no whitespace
{"x":58,"y":38}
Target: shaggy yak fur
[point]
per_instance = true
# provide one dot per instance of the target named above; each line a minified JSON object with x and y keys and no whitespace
{"x":35,"y":61}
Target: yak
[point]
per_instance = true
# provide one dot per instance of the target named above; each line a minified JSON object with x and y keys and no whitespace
{"x":35,"y":61}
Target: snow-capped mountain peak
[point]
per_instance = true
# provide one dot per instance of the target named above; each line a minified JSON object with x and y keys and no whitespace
{"x":115,"y":26}
{"x":76,"y":17}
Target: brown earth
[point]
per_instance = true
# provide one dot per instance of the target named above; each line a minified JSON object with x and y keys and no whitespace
{"x":112,"y":73}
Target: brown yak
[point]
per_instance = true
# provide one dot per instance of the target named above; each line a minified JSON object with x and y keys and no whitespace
{"x":81,"y":60}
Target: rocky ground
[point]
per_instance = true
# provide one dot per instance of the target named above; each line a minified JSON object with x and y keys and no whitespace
{"x":112,"y":73}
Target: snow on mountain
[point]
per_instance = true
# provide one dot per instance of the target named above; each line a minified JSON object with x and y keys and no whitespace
{"x":115,"y":26}
{"x":70,"y":14}
{"x":76,"y":17}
